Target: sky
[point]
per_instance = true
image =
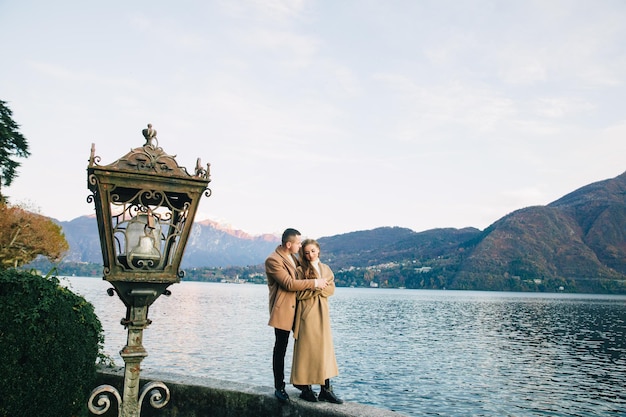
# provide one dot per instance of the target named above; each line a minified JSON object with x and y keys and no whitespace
{"x":327,"y":116}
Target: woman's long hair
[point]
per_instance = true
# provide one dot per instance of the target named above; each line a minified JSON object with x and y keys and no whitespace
{"x":307,"y":268}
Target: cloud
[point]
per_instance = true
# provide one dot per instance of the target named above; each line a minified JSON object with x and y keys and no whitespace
{"x":415,"y":114}
{"x":265,"y":10}
{"x":73,"y":75}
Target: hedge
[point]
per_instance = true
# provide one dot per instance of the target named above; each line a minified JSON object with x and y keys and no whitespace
{"x":50,"y":339}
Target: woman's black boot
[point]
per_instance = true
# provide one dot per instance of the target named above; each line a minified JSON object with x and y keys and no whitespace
{"x":327,"y":394}
{"x":308,"y":394}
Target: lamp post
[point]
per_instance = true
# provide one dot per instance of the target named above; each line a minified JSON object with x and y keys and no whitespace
{"x":145,"y":206}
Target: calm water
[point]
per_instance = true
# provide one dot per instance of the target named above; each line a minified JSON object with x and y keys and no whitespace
{"x":421,"y":353}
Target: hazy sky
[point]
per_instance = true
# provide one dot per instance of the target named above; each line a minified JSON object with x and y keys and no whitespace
{"x":328,"y":116}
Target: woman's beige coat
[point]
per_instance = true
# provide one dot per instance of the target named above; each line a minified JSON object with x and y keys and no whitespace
{"x":313,"y":353}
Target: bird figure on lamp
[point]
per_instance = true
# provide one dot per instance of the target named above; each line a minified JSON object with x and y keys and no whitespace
{"x":149,"y":133}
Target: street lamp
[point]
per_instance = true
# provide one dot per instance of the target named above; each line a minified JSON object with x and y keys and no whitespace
{"x":145,"y":205}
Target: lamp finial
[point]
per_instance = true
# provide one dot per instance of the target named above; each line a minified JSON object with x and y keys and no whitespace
{"x":149,"y":133}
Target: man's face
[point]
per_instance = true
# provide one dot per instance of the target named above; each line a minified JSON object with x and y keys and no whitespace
{"x":293,"y":246}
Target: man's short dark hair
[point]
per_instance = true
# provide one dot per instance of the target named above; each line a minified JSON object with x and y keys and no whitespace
{"x":288,"y":234}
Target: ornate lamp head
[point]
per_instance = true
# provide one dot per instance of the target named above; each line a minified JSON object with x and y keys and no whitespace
{"x":145,"y":205}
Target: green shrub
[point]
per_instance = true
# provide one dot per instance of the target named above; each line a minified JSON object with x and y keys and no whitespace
{"x":50,"y":339}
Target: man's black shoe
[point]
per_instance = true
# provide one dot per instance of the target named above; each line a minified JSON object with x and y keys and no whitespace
{"x":282,"y":395}
{"x":309,"y":395}
{"x":327,"y":394}
{"x":302,"y":387}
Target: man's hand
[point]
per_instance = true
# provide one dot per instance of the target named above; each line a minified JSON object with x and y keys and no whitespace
{"x":321,"y":283}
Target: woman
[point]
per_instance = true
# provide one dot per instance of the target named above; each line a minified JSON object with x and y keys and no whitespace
{"x":314,"y":359}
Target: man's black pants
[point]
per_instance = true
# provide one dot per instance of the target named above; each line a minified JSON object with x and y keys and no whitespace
{"x":278,"y":359}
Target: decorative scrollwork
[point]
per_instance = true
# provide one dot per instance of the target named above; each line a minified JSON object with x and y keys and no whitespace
{"x":155,"y":197}
{"x":92,"y":179}
{"x":158,"y":394}
{"x":100,"y":400}
{"x":93,"y":159}
{"x":151,"y":159}
{"x":143,"y":264}
{"x":208,"y":192}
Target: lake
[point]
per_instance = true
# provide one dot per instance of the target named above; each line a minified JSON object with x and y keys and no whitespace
{"x":418,"y":352}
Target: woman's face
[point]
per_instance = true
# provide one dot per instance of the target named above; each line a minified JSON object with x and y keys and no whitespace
{"x":311,"y":252}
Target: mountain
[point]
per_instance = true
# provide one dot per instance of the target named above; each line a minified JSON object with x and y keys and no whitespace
{"x":600,"y":211}
{"x":534,"y":243}
{"x":391,"y":244}
{"x":211,"y":245}
{"x":579,"y":237}
{"x":82,"y":236}
{"x":576,"y":243}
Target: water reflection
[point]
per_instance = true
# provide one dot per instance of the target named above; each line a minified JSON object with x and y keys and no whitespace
{"x":439,"y":353}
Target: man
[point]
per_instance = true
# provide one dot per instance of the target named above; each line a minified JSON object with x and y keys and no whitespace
{"x":280,"y":268}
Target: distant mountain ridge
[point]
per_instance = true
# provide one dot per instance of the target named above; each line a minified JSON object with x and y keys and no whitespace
{"x":576,"y":243}
{"x":210,"y":244}
{"x":237,"y":233}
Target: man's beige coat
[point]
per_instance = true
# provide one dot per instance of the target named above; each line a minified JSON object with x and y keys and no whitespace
{"x":313,"y":353}
{"x":282,"y":283}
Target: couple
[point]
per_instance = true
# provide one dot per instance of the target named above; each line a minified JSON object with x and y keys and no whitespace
{"x":298,"y":295}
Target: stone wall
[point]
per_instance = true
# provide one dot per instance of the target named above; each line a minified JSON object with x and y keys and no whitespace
{"x":204,"y":397}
